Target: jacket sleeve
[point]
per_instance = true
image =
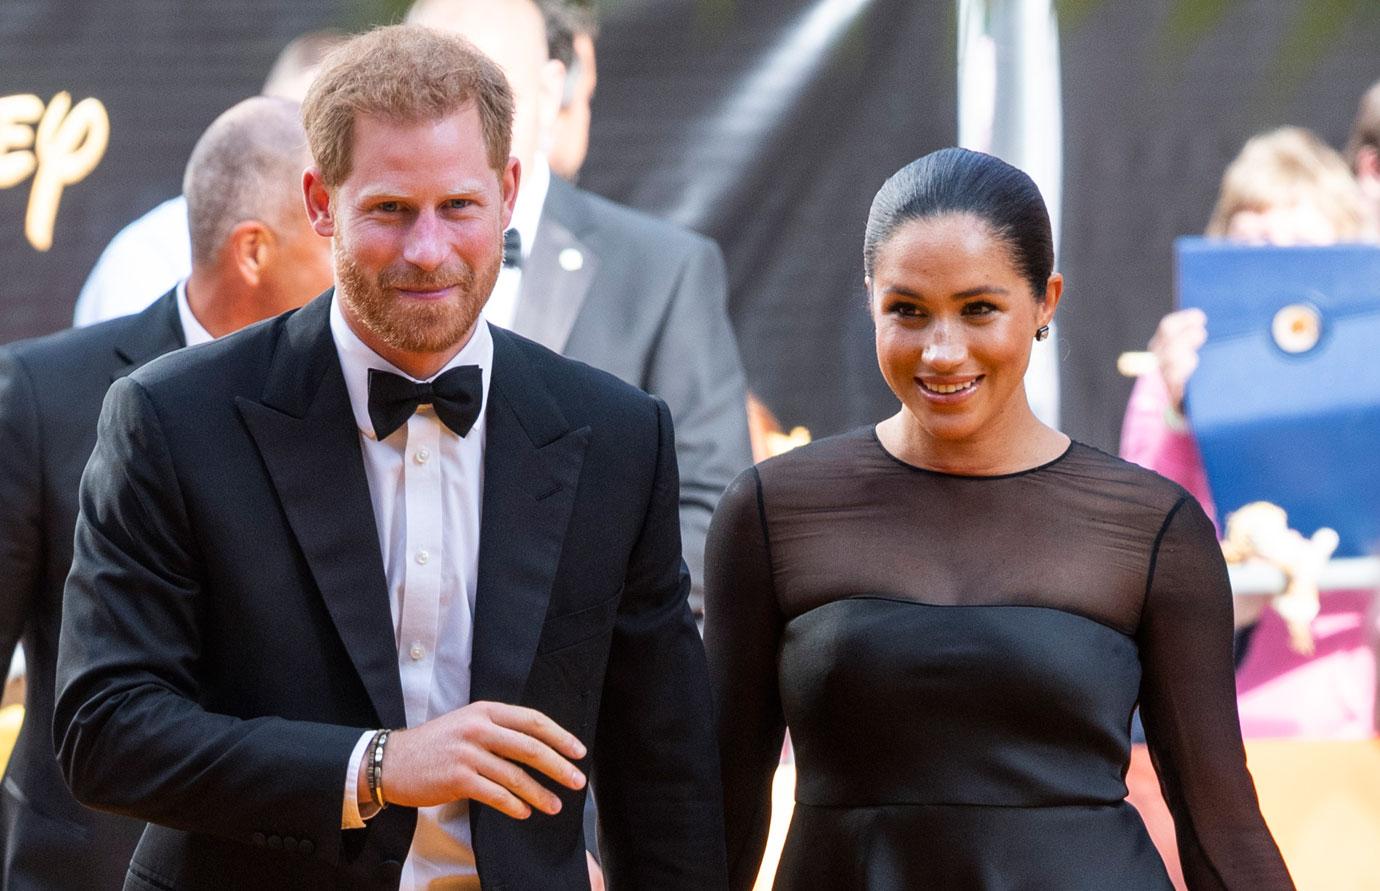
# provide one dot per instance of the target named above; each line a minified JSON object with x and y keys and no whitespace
{"x":696,"y":369}
{"x":21,"y":503}
{"x":656,"y":771}
{"x":130,"y":732}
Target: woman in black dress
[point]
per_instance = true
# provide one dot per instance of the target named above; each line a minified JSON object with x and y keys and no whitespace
{"x":956,"y":611}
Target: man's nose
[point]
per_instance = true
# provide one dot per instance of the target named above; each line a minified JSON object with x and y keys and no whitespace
{"x":426,"y":246}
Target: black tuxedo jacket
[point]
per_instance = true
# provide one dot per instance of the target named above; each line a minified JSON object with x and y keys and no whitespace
{"x":227,"y":634}
{"x":647,"y":301}
{"x":50,"y":397}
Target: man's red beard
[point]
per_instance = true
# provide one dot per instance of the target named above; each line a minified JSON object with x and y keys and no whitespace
{"x":415,"y":326}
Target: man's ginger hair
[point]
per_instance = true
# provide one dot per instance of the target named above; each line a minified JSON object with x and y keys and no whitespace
{"x":409,"y":74}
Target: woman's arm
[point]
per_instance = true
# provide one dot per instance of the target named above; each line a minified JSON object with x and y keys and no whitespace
{"x":1188,"y":704}
{"x":742,"y":631}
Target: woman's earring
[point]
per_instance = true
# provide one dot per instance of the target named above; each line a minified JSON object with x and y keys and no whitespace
{"x":1042,"y":333}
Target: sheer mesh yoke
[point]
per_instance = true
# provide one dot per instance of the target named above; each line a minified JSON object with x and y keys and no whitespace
{"x":958,"y":659}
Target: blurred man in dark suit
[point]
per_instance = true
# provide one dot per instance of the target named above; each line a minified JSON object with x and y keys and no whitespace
{"x":608,"y":285}
{"x":255,"y":256}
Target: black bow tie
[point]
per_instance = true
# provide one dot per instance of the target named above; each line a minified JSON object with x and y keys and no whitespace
{"x":512,"y":249}
{"x":455,"y":395}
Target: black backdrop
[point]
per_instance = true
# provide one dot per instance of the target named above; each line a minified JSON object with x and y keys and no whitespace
{"x":1159,"y":95}
{"x":767,"y":124}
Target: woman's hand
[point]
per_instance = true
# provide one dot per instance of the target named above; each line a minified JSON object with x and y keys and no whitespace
{"x":1175,"y":346}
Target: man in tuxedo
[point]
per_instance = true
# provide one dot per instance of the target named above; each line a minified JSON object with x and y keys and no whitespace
{"x":256,"y":256}
{"x":362,"y":595}
{"x":608,"y":285}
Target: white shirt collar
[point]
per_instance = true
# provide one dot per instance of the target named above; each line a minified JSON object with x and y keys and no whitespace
{"x":536,"y":180}
{"x":356,"y":358}
{"x":193,"y":332}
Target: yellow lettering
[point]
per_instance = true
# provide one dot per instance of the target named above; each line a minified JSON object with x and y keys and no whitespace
{"x":65,"y":146}
{"x":18,"y":114}
{"x":68,"y":145}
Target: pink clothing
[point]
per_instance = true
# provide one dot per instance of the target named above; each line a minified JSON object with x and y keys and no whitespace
{"x":1148,"y":439}
{"x":1330,"y":695}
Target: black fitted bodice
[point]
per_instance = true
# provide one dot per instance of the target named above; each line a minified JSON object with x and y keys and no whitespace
{"x":958,"y":659}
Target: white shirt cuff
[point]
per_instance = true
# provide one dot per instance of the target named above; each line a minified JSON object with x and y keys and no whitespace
{"x":352,"y":816}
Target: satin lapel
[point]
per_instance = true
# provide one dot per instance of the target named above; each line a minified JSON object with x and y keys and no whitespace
{"x":532,"y":466}
{"x":306,"y":433}
{"x":557,"y":276}
{"x":153,"y":332}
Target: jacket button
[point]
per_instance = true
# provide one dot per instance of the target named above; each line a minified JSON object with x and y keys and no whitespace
{"x":289,"y":843}
{"x":259,"y":839}
{"x":275,"y":842}
{"x":306,"y":846}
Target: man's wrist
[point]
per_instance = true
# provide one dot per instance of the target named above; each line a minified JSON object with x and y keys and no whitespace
{"x":373,"y":762}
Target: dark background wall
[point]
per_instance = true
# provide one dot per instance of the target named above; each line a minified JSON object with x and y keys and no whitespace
{"x":1159,"y":95}
{"x":163,"y":69}
{"x":770,"y":125}
{"x":767,"y":124}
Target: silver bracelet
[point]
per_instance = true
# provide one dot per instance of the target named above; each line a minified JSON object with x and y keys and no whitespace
{"x":374,"y":769}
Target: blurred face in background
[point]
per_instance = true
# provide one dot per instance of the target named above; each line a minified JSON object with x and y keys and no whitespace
{"x":513,"y":34}
{"x":1298,"y":223}
{"x":301,"y":266}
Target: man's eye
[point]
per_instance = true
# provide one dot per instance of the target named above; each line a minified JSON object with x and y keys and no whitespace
{"x":388,"y":207}
{"x":459,"y":203}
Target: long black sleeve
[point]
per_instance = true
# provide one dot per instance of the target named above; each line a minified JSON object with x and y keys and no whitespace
{"x":742,"y":634}
{"x":1188,"y":704}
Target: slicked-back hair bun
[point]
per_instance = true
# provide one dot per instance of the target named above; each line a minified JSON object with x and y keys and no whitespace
{"x":960,"y":181}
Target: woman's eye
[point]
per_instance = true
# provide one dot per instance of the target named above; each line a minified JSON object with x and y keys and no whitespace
{"x":981,"y":308}
{"x":906,"y":310}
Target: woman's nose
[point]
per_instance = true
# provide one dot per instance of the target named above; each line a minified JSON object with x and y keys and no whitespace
{"x":946,"y":349}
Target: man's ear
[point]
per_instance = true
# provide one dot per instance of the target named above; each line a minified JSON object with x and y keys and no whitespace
{"x":251,"y":245}
{"x":318,"y":199}
{"x":509,"y":182}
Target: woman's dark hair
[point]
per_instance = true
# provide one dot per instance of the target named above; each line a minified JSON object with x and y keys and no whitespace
{"x":955,"y":180}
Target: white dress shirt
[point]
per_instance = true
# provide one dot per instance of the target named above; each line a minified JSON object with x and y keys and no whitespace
{"x":425,"y":483}
{"x":503,"y":302}
{"x":193,"y":332}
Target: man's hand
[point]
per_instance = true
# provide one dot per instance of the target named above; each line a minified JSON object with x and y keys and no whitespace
{"x":1175,"y":345}
{"x":478,"y":752}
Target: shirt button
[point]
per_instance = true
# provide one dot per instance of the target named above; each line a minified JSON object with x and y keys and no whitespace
{"x":422,"y":456}
{"x":417,"y":651}
{"x":423,"y":556}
